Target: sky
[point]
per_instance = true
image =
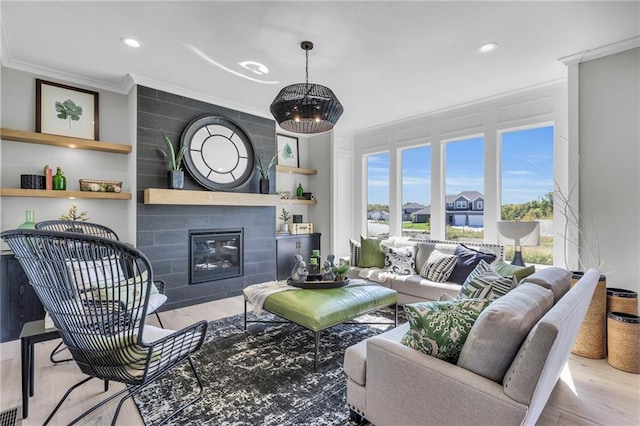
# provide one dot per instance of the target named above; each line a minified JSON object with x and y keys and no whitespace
{"x":527,"y":168}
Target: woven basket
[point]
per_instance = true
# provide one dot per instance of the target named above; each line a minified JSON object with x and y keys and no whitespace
{"x":621,"y":300}
{"x":592,"y":337}
{"x":623,"y":343}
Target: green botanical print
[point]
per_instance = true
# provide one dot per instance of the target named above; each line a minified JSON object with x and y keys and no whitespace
{"x":68,"y":110}
{"x":287,"y":152}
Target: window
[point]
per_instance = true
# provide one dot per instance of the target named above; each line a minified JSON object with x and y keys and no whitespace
{"x":416,"y":191}
{"x":527,"y":187}
{"x":464,"y":177}
{"x":479,"y":205}
{"x":378,"y":195}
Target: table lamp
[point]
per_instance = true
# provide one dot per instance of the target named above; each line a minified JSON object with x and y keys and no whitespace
{"x":518,"y":234}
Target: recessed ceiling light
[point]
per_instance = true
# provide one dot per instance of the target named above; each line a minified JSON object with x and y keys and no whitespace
{"x":255,"y":67}
{"x":131,"y":42}
{"x":488,"y":47}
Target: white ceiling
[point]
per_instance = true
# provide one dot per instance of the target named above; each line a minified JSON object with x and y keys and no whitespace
{"x":385,"y":60}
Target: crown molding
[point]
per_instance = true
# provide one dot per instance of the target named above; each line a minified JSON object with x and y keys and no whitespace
{"x":599,"y":52}
{"x":188,"y":93}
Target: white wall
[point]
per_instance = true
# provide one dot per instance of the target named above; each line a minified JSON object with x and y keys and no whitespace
{"x":609,"y":143}
{"x":18,"y":112}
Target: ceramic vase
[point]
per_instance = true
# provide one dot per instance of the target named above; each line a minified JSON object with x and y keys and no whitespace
{"x":175,"y":179}
{"x":264,"y":186}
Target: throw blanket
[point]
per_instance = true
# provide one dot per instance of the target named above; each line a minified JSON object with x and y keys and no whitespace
{"x":256,"y":294}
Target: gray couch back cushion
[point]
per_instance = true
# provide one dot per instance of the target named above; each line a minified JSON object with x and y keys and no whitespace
{"x":501,"y":328}
{"x":557,"y":280}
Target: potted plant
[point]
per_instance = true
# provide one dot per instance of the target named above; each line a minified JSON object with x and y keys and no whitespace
{"x":340,"y":271}
{"x":175,"y":175}
{"x":284,"y":216}
{"x":265,"y":172}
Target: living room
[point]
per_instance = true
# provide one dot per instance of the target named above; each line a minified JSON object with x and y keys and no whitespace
{"x":592,"y":101}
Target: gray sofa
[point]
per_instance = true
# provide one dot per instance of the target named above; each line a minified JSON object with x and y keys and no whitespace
{"x":507,"y":369}
{"x":414,"y":288}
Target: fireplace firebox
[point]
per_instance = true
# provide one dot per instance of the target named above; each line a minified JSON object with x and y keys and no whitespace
{"x":215,"y":254}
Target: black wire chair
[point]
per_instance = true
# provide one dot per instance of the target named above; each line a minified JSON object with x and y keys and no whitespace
{"x":88,"y":228}
{"x":100,"y":310}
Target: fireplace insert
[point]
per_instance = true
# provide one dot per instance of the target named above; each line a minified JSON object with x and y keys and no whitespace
{"x":215,"y":254}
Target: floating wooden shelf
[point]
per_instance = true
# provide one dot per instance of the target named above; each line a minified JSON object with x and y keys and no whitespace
{"x":63,"y":141}
{"x":296,"y":201}
{"x":297,"y":170}
{"x":43,"y":193}
{"x":208,"y":198}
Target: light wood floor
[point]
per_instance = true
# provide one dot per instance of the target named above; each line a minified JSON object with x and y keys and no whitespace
{"x":590,"y":392}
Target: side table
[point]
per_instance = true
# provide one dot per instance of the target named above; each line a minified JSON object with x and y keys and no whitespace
{"x":32,"y":332}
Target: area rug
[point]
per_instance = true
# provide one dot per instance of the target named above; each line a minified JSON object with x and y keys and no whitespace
{"x":263,"y":376}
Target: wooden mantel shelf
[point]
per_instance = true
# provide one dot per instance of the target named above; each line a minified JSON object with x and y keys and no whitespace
{"x":208,"y":198}
{"x":63,"y":141}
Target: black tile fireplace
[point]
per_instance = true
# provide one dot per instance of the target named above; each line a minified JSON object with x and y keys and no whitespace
{"x":215,"y":254}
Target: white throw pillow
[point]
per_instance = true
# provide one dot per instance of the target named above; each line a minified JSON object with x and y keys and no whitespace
{"x":399,"y":260}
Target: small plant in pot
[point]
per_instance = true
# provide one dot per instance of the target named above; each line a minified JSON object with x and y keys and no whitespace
{"x":285,"y":217}
{"x":341,"y":271}
{"x":175,"y":175}
{"x":265,"y":172}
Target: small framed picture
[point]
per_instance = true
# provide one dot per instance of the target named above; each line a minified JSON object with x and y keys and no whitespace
{"x":66,"y":111}
{"x":288,"y":150}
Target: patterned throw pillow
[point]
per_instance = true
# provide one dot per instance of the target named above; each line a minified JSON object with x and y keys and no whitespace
{"x":440,"y":329}
{"x":439,"y":266}
{"x":484,"y":282}
{"x":354,"y":251}
{"x":399,"y":260}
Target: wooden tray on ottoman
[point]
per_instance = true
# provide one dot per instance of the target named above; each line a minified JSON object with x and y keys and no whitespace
{"x":316,"y":282}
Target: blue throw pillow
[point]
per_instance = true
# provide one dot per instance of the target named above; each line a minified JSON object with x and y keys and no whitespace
{"x":468,"y":259}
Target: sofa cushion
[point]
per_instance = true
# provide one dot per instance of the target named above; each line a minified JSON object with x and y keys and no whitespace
{"x":439,"y":266}
{"x":399,"y":260}
{"x":354,"y":252}
{"x":371,"y":254}
{"x":416,"y":286}
{"x":500,"y":330}
{"x":556,"y":279}
{"x":440,"y":329}
{"x":505,"y":269}
{"x":467,"y":260}
{"x":423,"y":251}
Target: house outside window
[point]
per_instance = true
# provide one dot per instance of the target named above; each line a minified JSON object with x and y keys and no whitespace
{"x":416,"y":191}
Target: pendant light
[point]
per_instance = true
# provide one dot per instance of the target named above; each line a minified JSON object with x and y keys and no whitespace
{"x":304,"y":107}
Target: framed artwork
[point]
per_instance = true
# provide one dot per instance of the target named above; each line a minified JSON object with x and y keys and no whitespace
{"x":66,"y":111}
{"x":287,"y":150}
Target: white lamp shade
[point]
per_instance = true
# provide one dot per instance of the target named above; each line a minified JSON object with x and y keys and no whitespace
{"x":519,"y":233}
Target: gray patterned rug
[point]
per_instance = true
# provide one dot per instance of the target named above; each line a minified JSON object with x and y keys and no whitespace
{"x":263,"y":376}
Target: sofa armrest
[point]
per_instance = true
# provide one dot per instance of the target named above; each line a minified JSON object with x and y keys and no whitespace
{"x":405,"y":386}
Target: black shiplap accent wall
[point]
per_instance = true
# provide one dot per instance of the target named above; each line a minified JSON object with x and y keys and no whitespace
{"x":162,"y":230}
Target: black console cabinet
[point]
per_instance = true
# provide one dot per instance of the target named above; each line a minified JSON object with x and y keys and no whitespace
{"x":18,"y":301}
{"x":287,"y":246}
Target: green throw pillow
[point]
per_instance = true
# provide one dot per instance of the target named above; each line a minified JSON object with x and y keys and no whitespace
{"x":371,"y":254}
{"x":506,"y":269}
{"x":440,"y":329}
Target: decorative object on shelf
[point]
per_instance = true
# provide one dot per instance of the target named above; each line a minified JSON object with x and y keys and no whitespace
{"x":265,"y":172}
{"x":304,"y":107}
{"x":73,"y":215}
{"x":341,"y":271}
{"x":296,"y":218}
{"x":32,"y":182}
{"x":29,"y":220}
{"x":284,"y":216}
{"x":175,"y":174}
{"x":308,"y":196}
{"x":66,"y":111}
{"x":301,"y":228}
{"x":287,"y":151}
{"x":299,"y":272}
{"x":59,"y":180}
{"x":284,"y":195}
{"x":95,"y":185}
{"x":519,"y":233}
{"x":299,"y":190}
{"x":219,"y":154}
{"x":48,"y":177}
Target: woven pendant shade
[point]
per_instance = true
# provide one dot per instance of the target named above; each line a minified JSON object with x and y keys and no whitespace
{"x":305,"y":107}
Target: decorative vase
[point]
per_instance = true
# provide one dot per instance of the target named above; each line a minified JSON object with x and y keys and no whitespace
{"x":284,"y":227}
{"x":175,"y":179}
{"x":29,"y":222}
{"x":264,"y":186}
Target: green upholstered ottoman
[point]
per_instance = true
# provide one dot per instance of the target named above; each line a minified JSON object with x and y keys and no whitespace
{"x":317,"y":310}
